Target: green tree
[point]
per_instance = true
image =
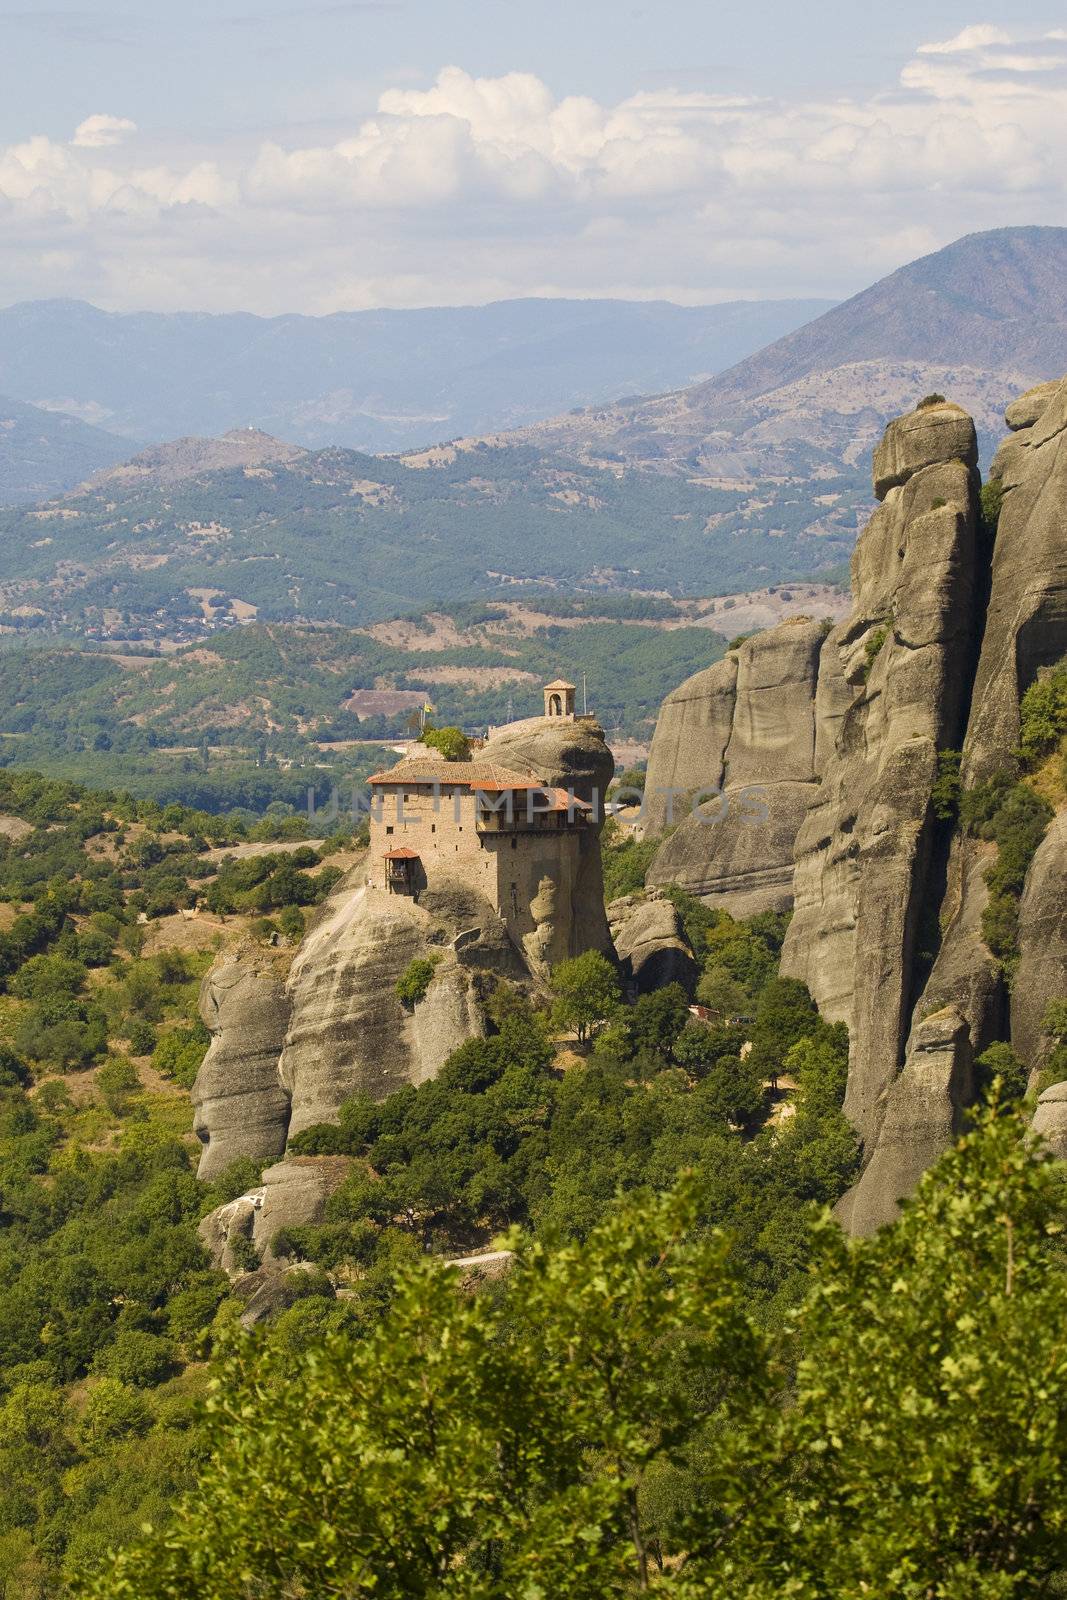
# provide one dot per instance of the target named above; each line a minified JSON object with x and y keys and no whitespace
{"x":587,"y":991}
{"x":452,"y":743}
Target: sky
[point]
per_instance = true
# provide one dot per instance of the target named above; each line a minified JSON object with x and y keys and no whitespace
{"x":348,"y":154}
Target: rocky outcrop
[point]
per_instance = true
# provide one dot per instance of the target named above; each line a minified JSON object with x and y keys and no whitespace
{"x":1050,"y":1120}
{"x":947,"y":631}
{"x":650,"y":943}
{"x":287,"y":1054}
{"x":924,"y":438}
{"x":295,"y":1195}
{"x":740,"y":738}
{"x":923,"y":1114}
{"x":239,"y":1105}
{"x":349,"y":1033}
{"x":1026,"y":624}
{"x":1041,"y":976}
{"x":865,"y":864}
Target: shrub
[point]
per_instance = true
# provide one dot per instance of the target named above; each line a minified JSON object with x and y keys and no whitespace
{"x":113,"y":1411}
{"x":452,"y":743}
{"x":119,"y":1083}
{"x":874,"y":643}
{"x":412,"y":985}
{"x":737,"y":641}
{"x":587,"y":992}
{"x":136,"y":1357}
{"x":945,"y":794}
{"x":930,"y":400}
{"x":1043,"y":715}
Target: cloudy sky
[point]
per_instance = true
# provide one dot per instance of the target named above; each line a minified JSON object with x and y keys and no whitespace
{"x":320,"y":155}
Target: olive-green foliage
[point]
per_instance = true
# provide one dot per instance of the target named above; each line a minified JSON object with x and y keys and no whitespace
{"x":611,"y":1421}
{"x":586,"y":990}
{"x":180,"y":1051}
{"x":1016,"y":818}
{"x":413,"y":982}
{"x":626,"y":859}
{"x":1043,"y":715}
{"x":946,"y":790}
{"x":452,"y":743}
{"x":873,"y":646}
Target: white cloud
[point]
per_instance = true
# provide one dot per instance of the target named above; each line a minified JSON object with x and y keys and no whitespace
{"x":100,"y":130}
{"x":477,"y":187}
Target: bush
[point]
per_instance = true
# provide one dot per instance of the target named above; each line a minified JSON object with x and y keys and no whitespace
{"x":136,"y":1357}
{"x":179,"y":1053}
{"x":587,"y":992}
{"x":930,"y":400}
{"x":113,"y":1411}
{"x":452,"y":743}
{"x":945,"y":794}
{"x":412,"y":985}
{"x":1043,"y":715}
{"x":119,"y":1084}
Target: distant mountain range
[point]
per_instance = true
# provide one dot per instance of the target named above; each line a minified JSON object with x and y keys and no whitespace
{"x":757,"y":476}
{"x":979,"y":321}
{"x":372,"y":380}
{"x":43,"y":452}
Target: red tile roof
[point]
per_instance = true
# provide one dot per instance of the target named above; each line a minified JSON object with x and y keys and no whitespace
{"x":486,"y":775}
{"x":403,"y":854}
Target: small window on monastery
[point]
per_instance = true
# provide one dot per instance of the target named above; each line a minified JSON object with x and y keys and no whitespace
{"x":433,"y":827}
{"x":514,"y":844}
{"x":389,"y":828}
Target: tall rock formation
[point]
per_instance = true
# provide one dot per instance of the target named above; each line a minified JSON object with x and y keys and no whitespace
{"x":865,"y":856}
{"x":1026,"y":624}
{"x":741,"y":737}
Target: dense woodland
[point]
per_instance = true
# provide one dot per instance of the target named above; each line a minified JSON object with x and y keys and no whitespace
{"x":708,"y":1390}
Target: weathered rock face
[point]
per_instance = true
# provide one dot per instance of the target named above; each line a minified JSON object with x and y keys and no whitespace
{"x":922,"y":1117}
{"x":745,"y":727}
{"x":651,"y":946}
{"x":295,"y":1194}
{"x":240,"y":1106}
{"x":1026,"y":625}
{"x":1041,"y":976}
{"x":906,"y":654}
{"x":349,"y":1033}
{"x":925,"y":437}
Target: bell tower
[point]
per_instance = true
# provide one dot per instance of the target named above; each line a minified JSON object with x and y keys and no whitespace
{"x":559,"y":699}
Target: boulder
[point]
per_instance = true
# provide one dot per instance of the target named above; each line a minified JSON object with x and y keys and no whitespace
{"x":239,"y":1105}
{"x":651,"y":945}
{"x":927,"y":435}
{"x":922,"y":1117}
{"x":1041,"y":976}
{"x":1031,"y":406}
{"x":747,"y":727}
{"x":273,"y":1289}
{"x":223,"y":1229}
{"x":295,"y":1194}
{"x":1050,"y":1120}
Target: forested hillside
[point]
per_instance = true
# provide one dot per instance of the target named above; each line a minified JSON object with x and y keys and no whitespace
{"x":333,"y":536}
{"x":642,"y":1351}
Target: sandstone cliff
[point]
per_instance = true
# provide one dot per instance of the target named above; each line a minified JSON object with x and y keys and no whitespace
{"x":947,"y":631}
{"x":740,"y":737}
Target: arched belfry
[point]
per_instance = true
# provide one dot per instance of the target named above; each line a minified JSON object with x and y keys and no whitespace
{"x":559,"y":699}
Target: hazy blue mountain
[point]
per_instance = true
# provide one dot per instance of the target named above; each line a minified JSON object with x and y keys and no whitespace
{"x":980,"y":321}
{"x":43,"y":453}
{"x":370,"y":380}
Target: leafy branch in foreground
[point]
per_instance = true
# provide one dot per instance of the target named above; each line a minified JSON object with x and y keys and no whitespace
{"x":608,"y":1421}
